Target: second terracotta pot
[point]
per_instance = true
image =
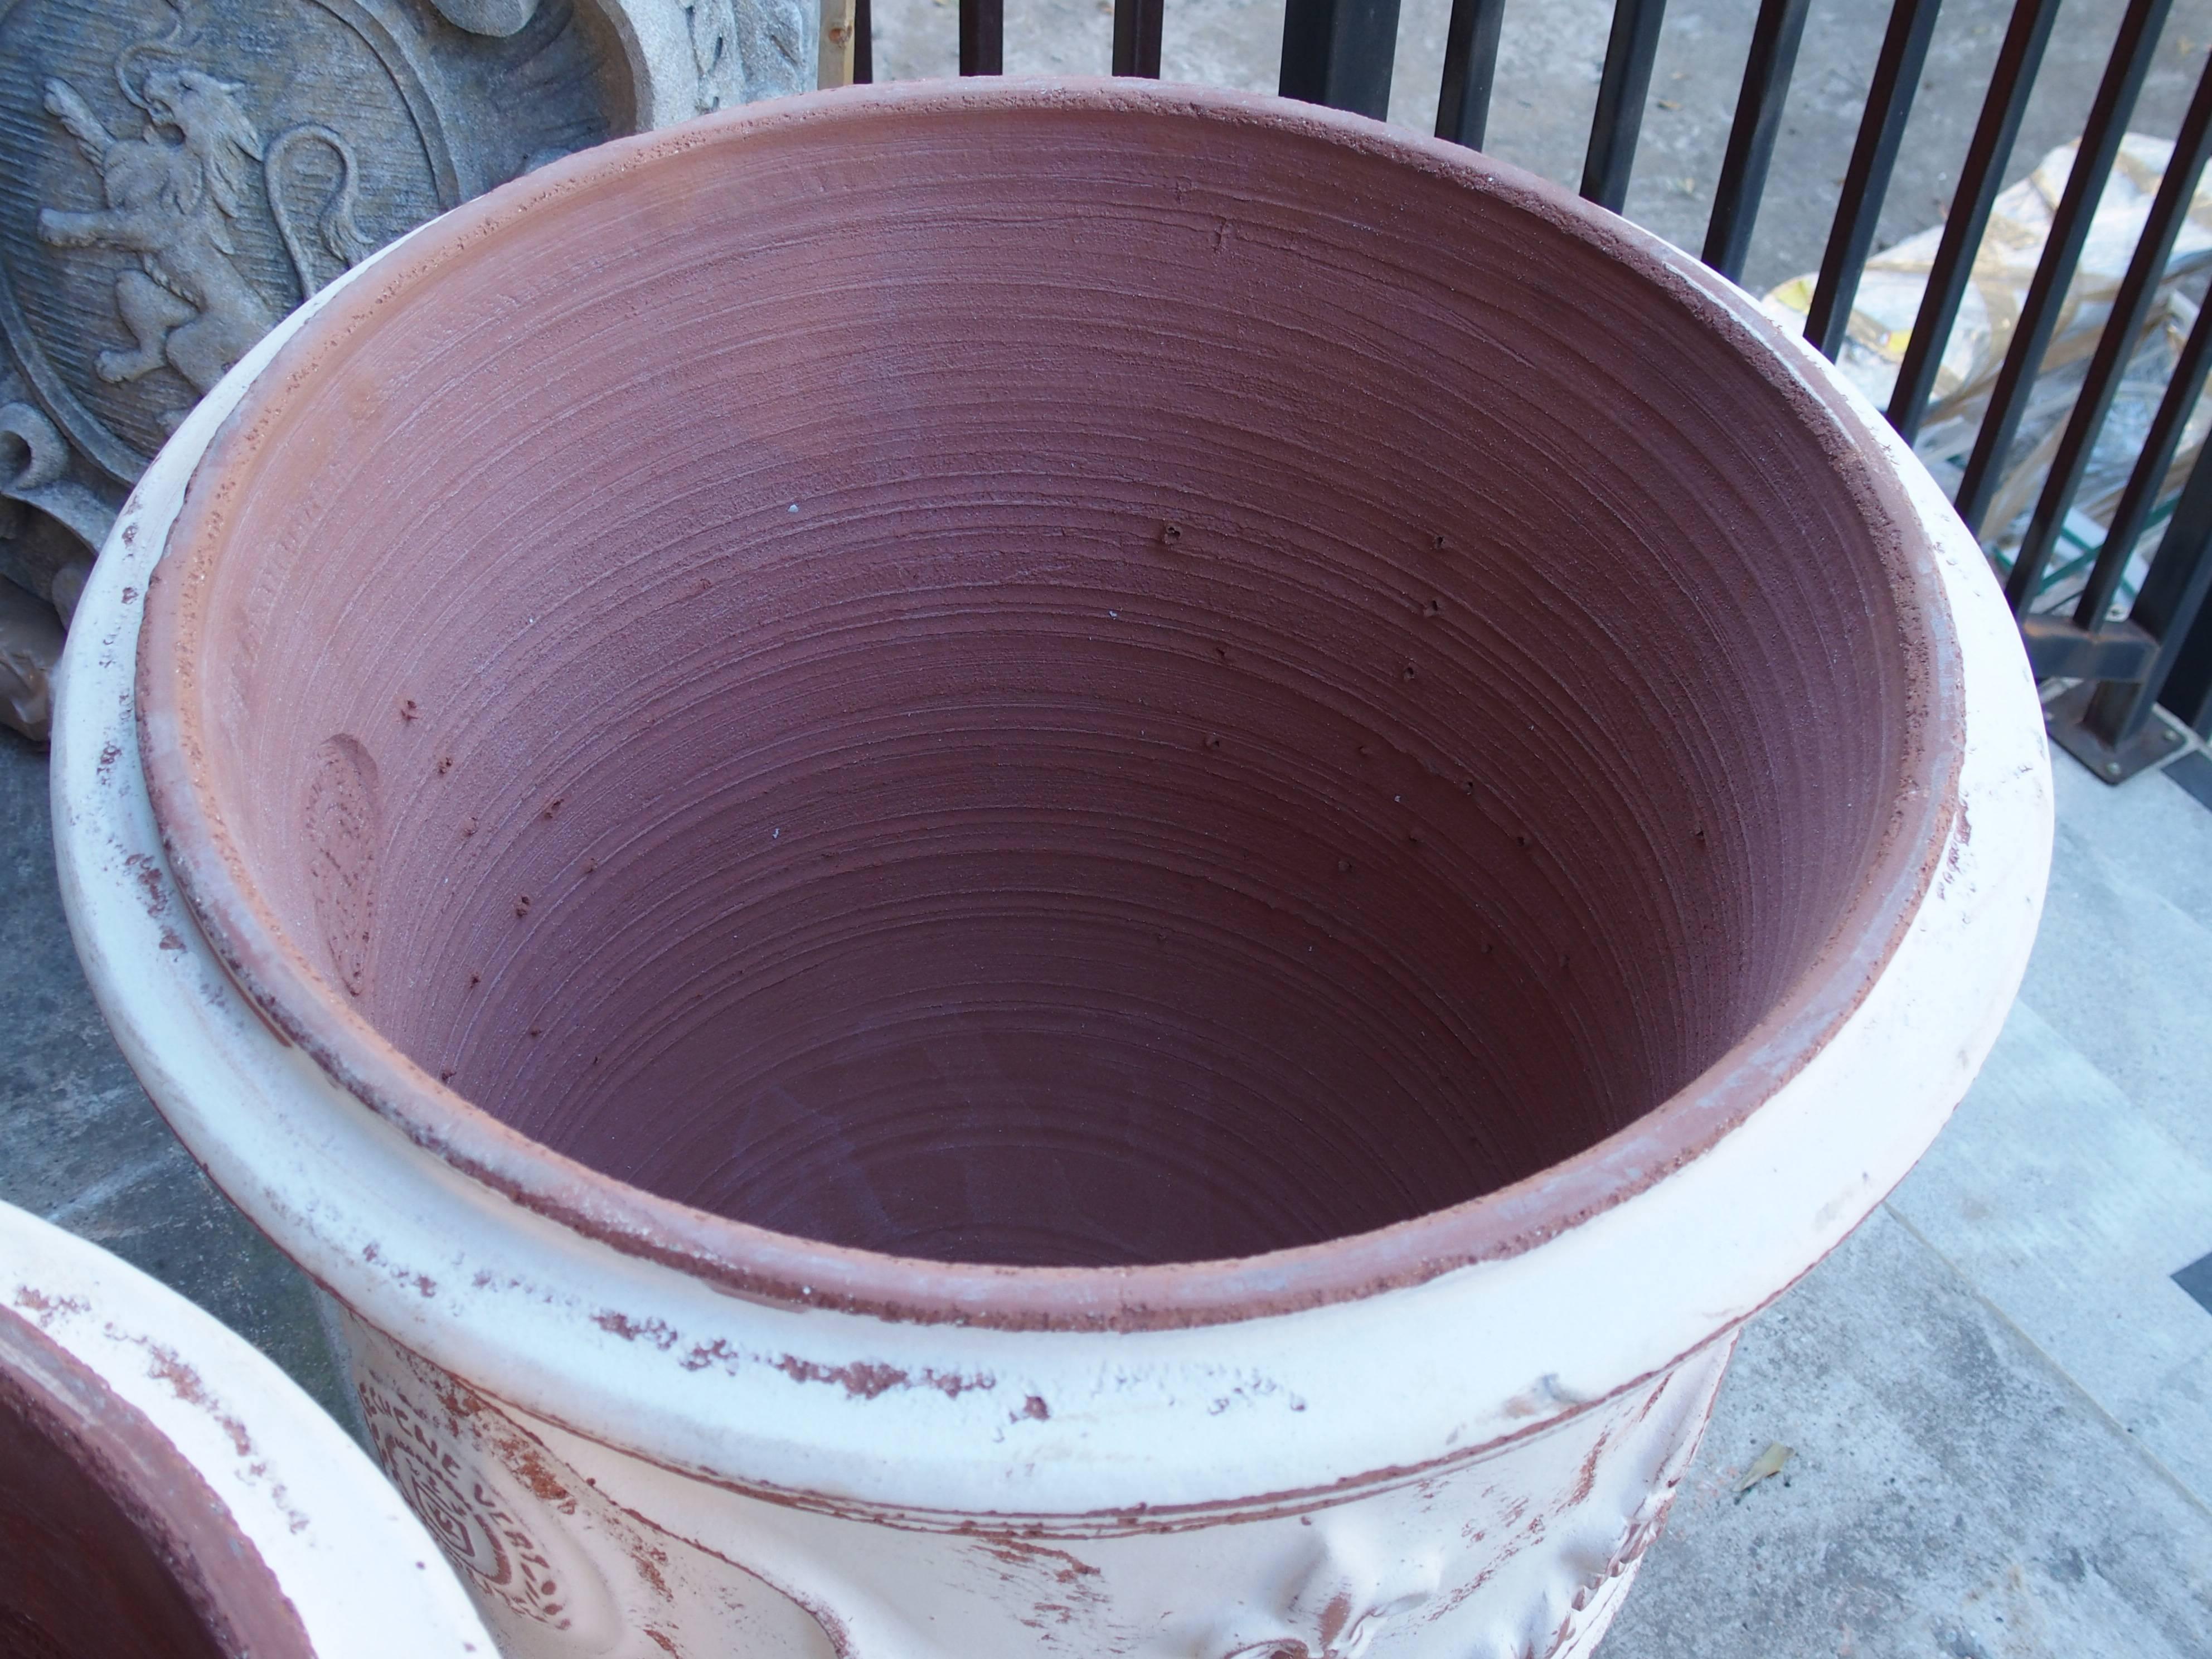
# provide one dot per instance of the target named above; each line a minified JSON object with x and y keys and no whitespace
{"x":165,"y":1492}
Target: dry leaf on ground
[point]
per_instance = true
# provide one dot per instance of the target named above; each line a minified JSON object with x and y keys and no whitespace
{"x":1770,"y":1463}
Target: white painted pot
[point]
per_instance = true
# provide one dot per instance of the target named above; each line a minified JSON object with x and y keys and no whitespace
{"x":170,"y":1491}
{"x":644,"y":1429}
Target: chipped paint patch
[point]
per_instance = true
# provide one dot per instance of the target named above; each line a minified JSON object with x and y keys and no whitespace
{"x":655,"y":1331}
{"x":48,"y":1308}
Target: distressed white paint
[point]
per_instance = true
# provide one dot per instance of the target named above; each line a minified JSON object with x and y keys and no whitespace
{"x":1535,"y":1357}
{"x":364,"y":1576}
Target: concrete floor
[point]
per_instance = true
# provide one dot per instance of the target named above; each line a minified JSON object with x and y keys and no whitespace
{"x":1997,"y":1396}
{"x":81,"y":1145}
{"x":1999,"y":1400}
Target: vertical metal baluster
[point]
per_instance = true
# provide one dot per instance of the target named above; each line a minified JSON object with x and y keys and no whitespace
{"x":1470,"y":66}
{"x":1866,"y":181}
{"x":2188,"y":689}
{"x":2062,"y":255}
{"x":1338,"y":53}
{"x":1620,"y":94}
{"x":2148,"y":477}
{"x":1137,"y":37}
{"x":863,"y":43}
{"x":2176,"y":192}
{"x":2117,"y":713}
{"x":1766,"y":72}
{"x":982,"y":37}
{"x":1980,"y":180}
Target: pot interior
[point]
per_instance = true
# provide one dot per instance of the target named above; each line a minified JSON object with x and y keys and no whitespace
{"x":110,"y":1545}
{"x":1006,"y":680}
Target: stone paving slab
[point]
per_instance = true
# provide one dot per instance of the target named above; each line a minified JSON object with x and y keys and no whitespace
{"x":80,"y":1143}
{"x":2070,"y":1208}
{"x":1999,"y":1397}
{"x":1952,"y":1494}
{"x":2123,"y":967}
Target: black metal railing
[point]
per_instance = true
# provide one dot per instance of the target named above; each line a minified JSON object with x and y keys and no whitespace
{"x":1340,"y":52}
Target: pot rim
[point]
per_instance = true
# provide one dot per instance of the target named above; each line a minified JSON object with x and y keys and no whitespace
{"x":118,"y":1450}
{"x":284,"y":1534}
{"x":786,"y":1270}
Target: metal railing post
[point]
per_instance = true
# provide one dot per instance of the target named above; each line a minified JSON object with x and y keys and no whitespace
{"x":2177,"y":191}
{"x":1866,"y":180}
{"x":982,"y":37}
{"x":1470,"y":67}
{"x":1339,"y":53}
{"x":1766,"y":71}
{"x":1622,"y":88}
{"x":1137,"y":37}
{"x":1980,"y":178}
{"x":2100,"y":147}
{"x":2188,"y":693}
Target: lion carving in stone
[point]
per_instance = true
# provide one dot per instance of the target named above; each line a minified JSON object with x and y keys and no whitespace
{"x":174,"y":194}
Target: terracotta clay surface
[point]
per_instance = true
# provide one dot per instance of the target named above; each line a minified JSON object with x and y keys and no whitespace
{"x":1038,"y":678}
{"x":112,"y":1546}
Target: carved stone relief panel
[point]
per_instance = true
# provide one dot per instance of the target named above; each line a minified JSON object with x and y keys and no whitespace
{"x":183,"y":172}
{"x":175,"y":175}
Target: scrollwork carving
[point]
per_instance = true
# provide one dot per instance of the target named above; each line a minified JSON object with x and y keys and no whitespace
{"x":33,"y":451}
{"x":492,"y":17}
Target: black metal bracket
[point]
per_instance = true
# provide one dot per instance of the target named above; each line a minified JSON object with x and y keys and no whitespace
{"x":2058,"y":649}
{"x":2153,"y":741}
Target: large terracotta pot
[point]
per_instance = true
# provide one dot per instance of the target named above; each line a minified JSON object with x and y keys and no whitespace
{"x":1046,"y":867}
{"x":165,"y":1492}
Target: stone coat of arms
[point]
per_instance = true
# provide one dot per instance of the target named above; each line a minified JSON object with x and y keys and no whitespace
{"x":172,"y":201}
{"x":176,"y":175}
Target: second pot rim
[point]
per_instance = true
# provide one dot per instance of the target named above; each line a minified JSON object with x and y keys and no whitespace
{"x":279,"y":1527}
{"x":788,"y":1270}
